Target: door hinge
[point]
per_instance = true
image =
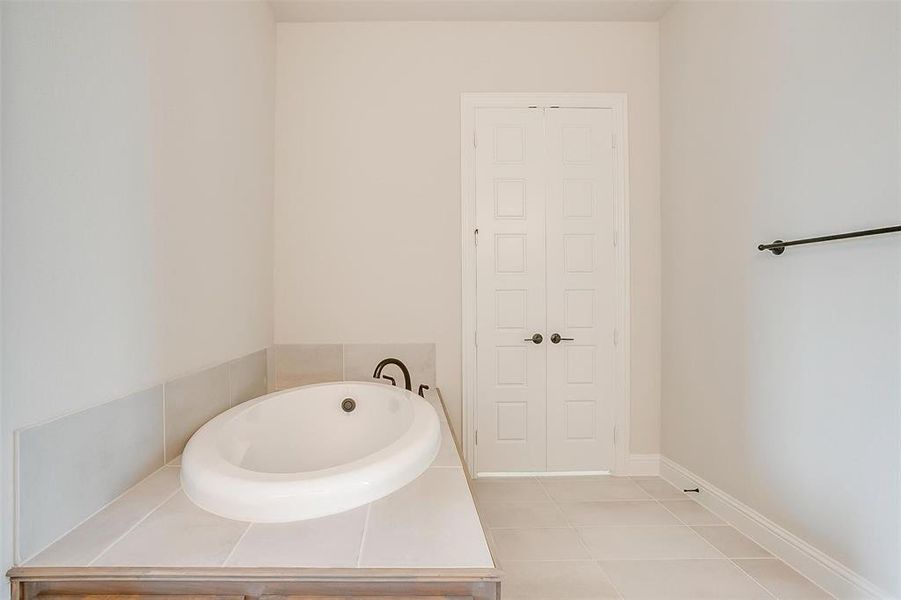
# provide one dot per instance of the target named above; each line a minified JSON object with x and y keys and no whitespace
{"x":475,"y":141}
{"x":475,"y":337}
{"x":615,"y":337}
{"x":614,"y":435}
{"x":475,"y":236}
{"x":613,"y":141}
{"x":615,"y":238}
{"x":477,"y":437}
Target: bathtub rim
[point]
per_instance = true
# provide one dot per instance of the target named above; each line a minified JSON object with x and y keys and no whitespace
{"x":205,"y":471}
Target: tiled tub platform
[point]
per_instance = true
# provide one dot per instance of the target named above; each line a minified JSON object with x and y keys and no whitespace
{"x":423,"y":541}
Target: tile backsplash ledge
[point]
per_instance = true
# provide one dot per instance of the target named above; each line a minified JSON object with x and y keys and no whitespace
{"x":70,"y":468}
{"x":291,"y":365}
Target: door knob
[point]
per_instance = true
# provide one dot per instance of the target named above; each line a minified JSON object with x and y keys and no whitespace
{"x":556,"y":339}
{"x":535,"y":339}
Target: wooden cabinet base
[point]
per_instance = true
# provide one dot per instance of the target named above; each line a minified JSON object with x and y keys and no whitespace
{"x":90,"y":583}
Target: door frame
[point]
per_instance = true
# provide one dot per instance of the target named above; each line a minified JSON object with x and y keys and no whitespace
{"x":617,"y":102}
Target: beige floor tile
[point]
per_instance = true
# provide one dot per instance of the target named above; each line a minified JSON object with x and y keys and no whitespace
{"x":538,"y":544}
{"x":645,"y":543}
{"x":682,"y":580}
{"x":593,"y":489}
{"x":691,"y":513}
{"x":509,"y":490}
{"x":556,"y":580}
{"x":730,"y":542}
{"x":538,"y":514}
{"x":618,"y":513}
{"x":781,"y":580}
{"x":660,"y":489}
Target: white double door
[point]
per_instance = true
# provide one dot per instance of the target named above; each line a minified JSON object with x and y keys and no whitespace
{"x":545,"y":268}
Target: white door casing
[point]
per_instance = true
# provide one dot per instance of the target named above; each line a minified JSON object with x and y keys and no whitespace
{"x":557,"y":233}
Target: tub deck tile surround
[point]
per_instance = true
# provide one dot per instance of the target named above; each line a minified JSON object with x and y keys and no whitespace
{"x":74,"y":466}
{"x":361,"y":359}
{"x":191,"y":401}
{"x":430,"y":523}
{"x":95,"y":535}
{"x":329,"y":542}
{"x":159,"y":543}
{"x":247,"y":378}
{"x":293,"y":365}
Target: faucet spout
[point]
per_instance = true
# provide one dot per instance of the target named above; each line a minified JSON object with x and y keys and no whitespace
{"x":377,"y":374}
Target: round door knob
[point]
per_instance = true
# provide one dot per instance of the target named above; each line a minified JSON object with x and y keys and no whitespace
{"x":535,"y":339}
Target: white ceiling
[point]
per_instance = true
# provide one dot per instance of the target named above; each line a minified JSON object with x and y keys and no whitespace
{"x":469,"y":10}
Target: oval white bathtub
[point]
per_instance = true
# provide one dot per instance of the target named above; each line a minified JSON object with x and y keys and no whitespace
{"x":297,"y":454}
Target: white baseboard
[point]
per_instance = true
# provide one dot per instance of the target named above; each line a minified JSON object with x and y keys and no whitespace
{"x":644,"y":464}
{"x":823,"y":570}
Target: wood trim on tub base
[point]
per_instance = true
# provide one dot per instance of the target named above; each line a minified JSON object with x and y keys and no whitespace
{"x":126,"y":583}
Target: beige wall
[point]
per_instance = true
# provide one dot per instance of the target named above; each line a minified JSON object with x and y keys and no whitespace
{"x":367,"y":203}
{"x":780,"y":374}
{"x":137,"y":190}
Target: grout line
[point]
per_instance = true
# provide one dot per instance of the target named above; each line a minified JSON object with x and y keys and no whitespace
{"x":92,"y":515}
{"x":274,"y":382}
{"x":365,"y":531}
{"x":680,"y":523}
{"x":591,"y":557}
{"x":569,"y":523}
{"x":776,"y":558}
{"x":237,"y":543}
{"x":180,"y":375}
{"x":731,"y":560}
{"x":228,"y":383}
{"x":165,"y":460}
{"x":135,"y":526}
{"x":645,"y":526}
{"x":840,"y":574}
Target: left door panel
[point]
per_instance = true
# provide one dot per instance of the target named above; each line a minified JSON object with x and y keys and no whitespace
{"x":511,"y":300}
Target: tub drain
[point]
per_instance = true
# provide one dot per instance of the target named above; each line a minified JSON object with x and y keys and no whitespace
{"x":348,"y":405}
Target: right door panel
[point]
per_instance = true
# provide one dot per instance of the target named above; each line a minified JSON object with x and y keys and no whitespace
{"x":581,"y":291}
